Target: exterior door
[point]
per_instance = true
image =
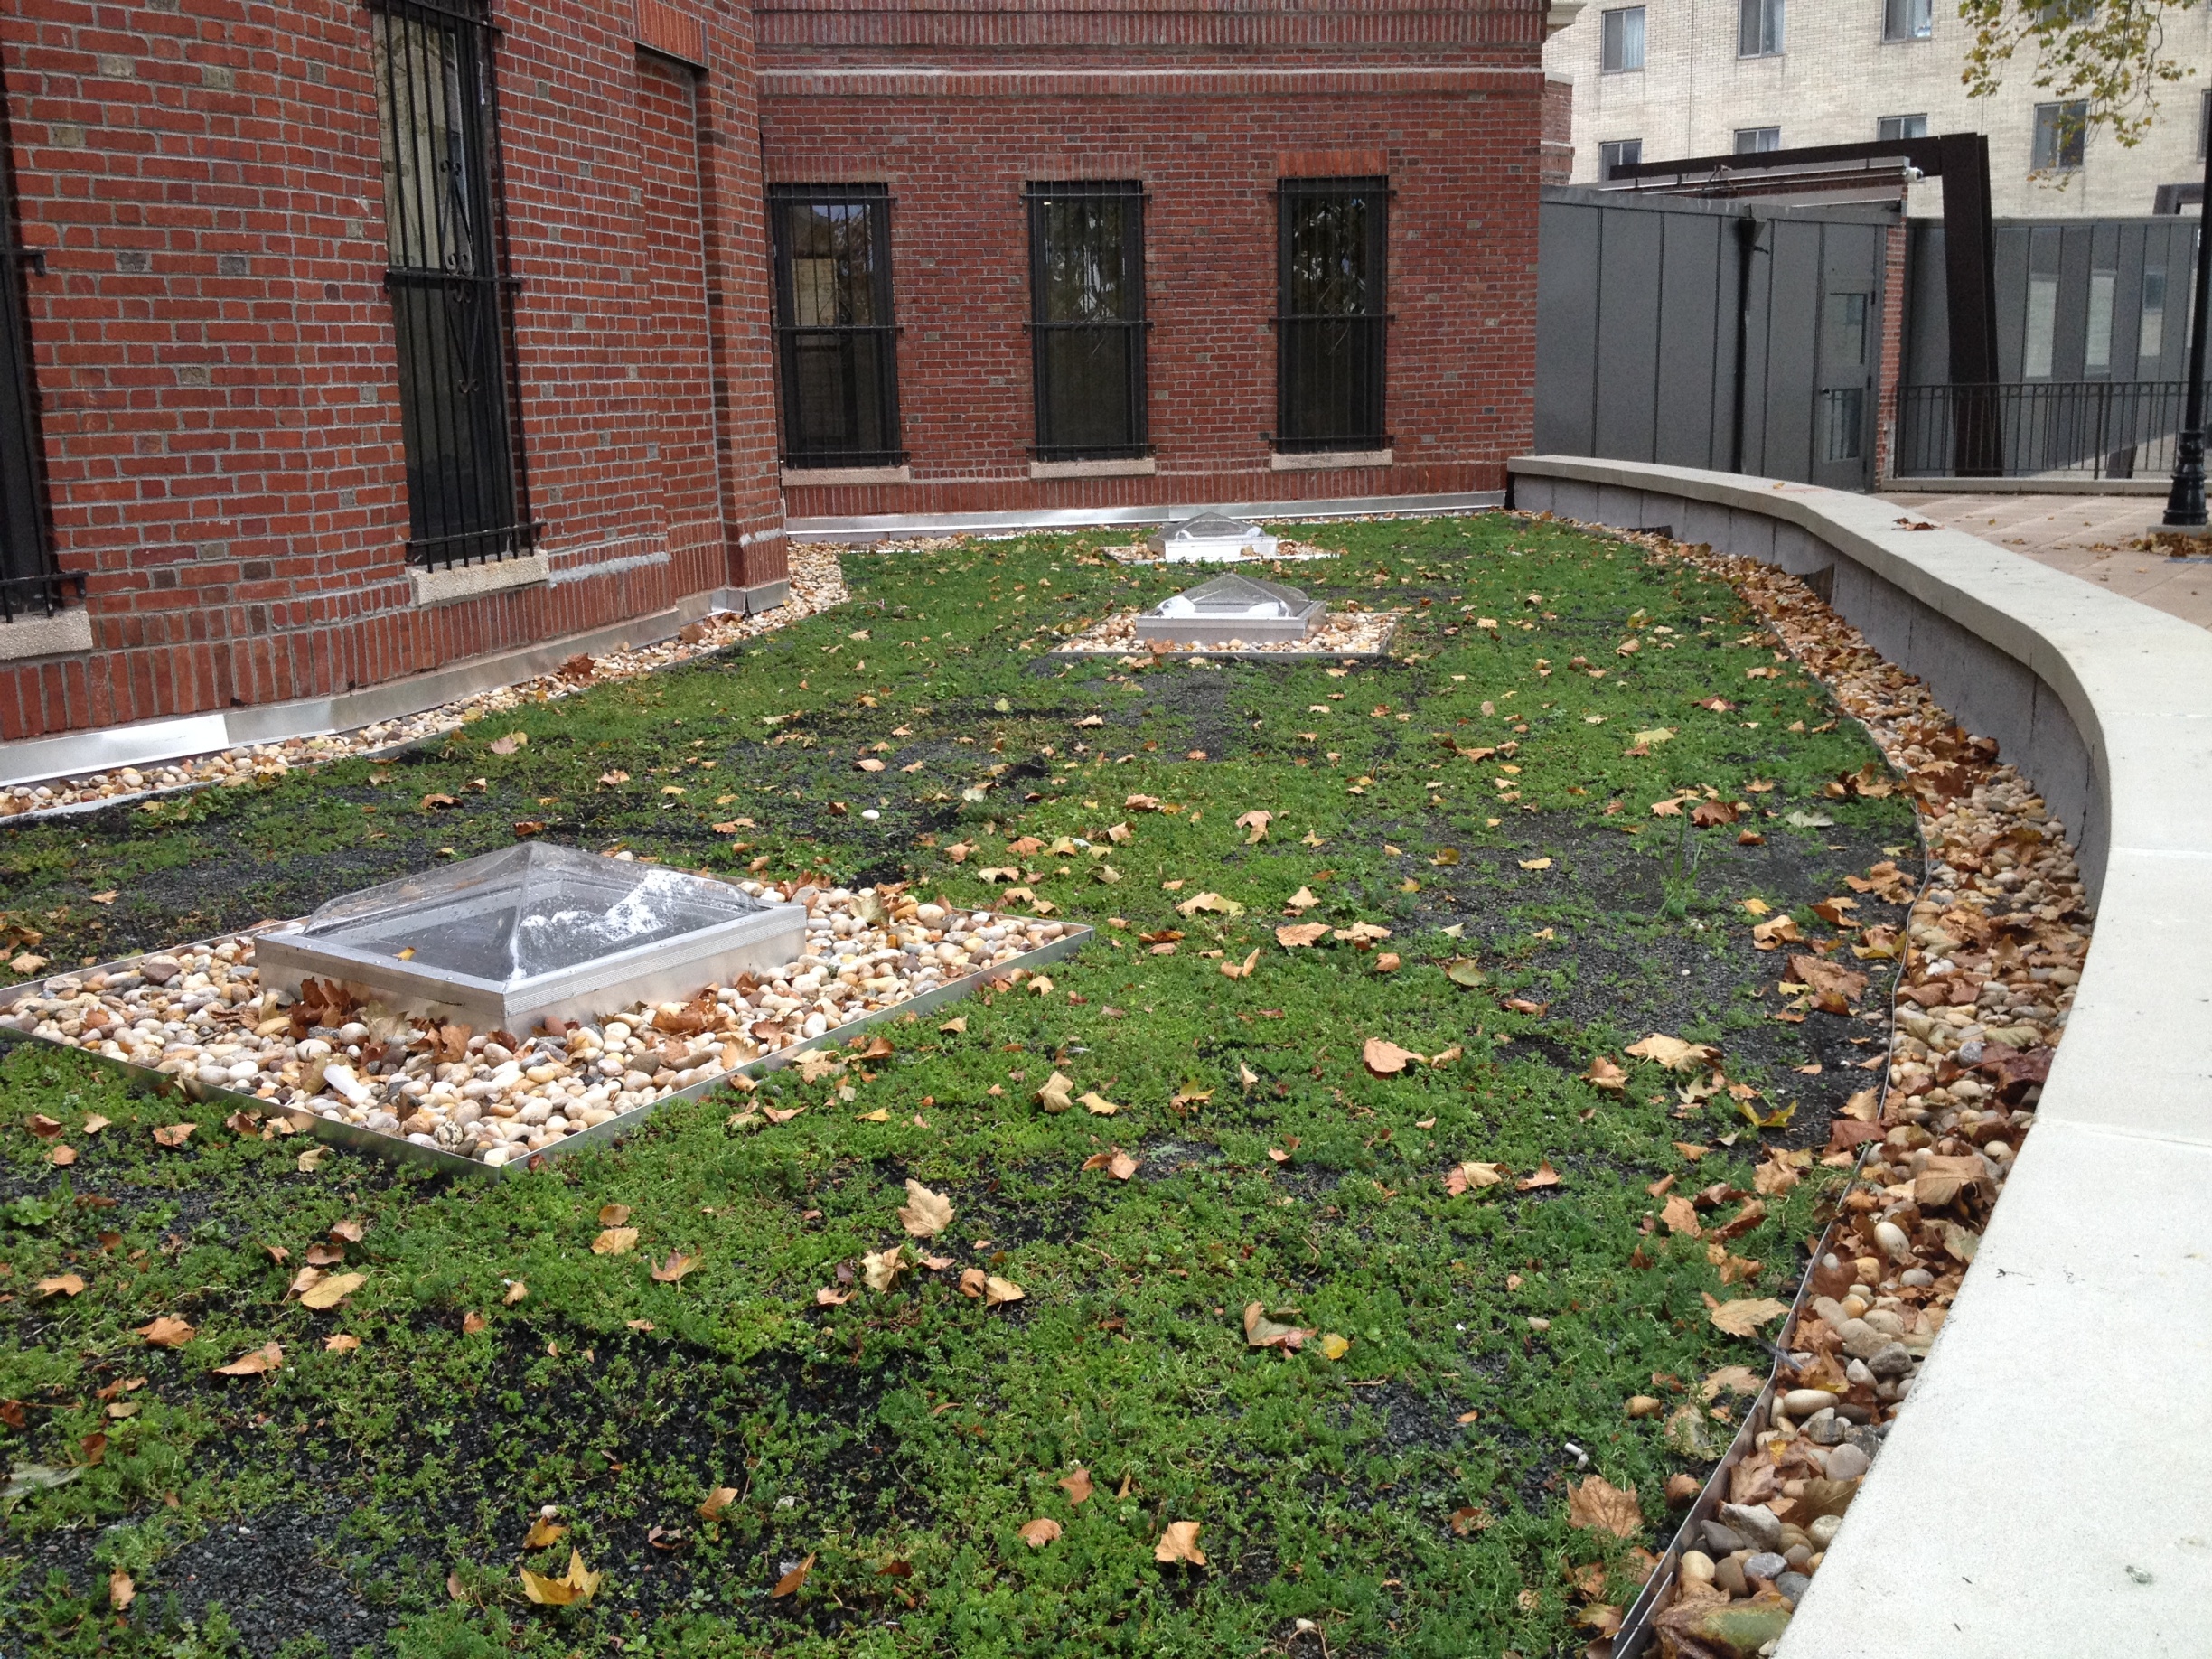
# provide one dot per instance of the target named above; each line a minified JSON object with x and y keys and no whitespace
{"x":1845,"y":403}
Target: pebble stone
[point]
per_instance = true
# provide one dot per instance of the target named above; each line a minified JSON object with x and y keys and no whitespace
{"x":201,"y":1015}
{"x":816,"y":585}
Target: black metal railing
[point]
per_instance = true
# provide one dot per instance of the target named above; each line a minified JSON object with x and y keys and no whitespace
{"x":28,"y":580}
{"x":2058,"y":430}
{"x":1087,"y":319}
{"x":446,"y":273}
{"x":837,"y":334}
{"x":37,"y":595}
{"x":1331,"y":327}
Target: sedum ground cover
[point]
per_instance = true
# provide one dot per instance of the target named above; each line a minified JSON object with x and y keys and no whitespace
{"x":1406,"y":1478}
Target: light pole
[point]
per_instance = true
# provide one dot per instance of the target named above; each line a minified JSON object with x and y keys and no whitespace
{"x":2185,"y":501}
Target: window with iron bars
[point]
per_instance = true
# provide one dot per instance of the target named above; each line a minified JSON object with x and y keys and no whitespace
{"x":28,"y":580}
{"x":1331,"y":334}
{"x":836,"y":344}
{"x":1087,"y":320}
{"x":446,"y":270}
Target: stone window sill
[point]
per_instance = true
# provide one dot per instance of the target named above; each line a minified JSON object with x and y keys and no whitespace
{"x":822,"y":477}
{"x":65,"y":633}
{"x":1128,"y":466}
{"x":459,"y":582}
{"x":1327,"y":460}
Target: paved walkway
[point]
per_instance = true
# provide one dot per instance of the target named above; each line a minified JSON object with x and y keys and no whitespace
{"x":2097,"y":537}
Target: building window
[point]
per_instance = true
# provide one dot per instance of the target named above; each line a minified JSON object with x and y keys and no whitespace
{"x":1889,"y":129}
{"x":2061,"y":131}
{"x":27,"y":577}
{"x":1621,"y":39}
{"x":836,"y":344}
{"x":1757,"y":140}
{"x":1616,"y":154}
{"x":446,"y":270}
{"x":2151,"y":335}
{"x":1335,"y":249}
{"x":1758,"y":28}
{"x":1907,"y":19}
{"x":1087,"y":320}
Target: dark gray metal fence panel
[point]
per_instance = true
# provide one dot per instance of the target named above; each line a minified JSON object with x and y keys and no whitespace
{"x":1697,"y":342}
{"x":1566,"y":339}
{"x":1793,"y":340}
{"x":1630,"y":261}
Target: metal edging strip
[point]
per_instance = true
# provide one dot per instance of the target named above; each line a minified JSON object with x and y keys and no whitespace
{"x":393,"y":1148}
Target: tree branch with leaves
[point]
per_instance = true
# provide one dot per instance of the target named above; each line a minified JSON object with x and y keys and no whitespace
{"x":2110,"y":56}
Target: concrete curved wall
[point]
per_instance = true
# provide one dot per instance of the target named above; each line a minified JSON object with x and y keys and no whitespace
{"x":2045,"y":1493}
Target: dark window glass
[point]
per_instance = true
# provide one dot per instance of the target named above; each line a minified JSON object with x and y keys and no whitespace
{"x":2061,"y":131}
{"x":443,"y":249}
{"x":1621,"y":39}
{"x":1890,"y":128}
{"x":27,"y":580}
{"x":1616,"y":154}
{"x":1758,"y":28}
{"x":1333,"y":258}
{"x":1756,"y":140}
{"x":837,"y":343}
{"x":1087,"y":317}
{"x":1907,"y":19}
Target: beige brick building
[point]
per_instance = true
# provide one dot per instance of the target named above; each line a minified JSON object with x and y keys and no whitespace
{"x":1715,"y":72}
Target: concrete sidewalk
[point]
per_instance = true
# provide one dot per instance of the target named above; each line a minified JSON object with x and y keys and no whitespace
{"x":2097,"y":537}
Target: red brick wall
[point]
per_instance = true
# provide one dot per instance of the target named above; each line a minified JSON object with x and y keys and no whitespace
{"x":216,"y":363}
{"x":1557,"y":131}
{"x":955,"y":110}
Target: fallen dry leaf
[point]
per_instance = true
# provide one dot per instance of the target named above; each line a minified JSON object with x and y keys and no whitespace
{"x":1460,"y":1177}
{"x":329,"y":1293}
{"x":1733,"y":1379}
{"x":1545,"y":1176}
{"x":1054,"y":1096}
{"x":616,"y":1241}
{"x":880,"y":1268}
{"x":1672,"y":1053}
{"x":473,"y":1324}
{"x":925,"y":1213}
{"x":1608,"y":1508}
{"x":788,"y":1585}
{"x":1334,"y":1346}
{"x":120,"y":1589}
{"x":1040,"y":1532}
{"x":166,"y":1332}
{"x":543,"y":1532}
{"x":1604,"y":1074}
{"x":1386,"y":1059}
{"x":1179,"y":1543}
{"x":1743,"y":1318}
{"x":1256,"y":822}
{"x":62,"y":1284}
{"x":957,"y":1024}
{"x":515,"y":1293}
{"x":340,"y":1342}
{"x":1680,"y":1216}
{"x":267,"y":1357}
{"x":1294,"y":935}
{"x":614,"y":1214}
{"x":677,"y":1265}
{"x":1098,"y":1105}
{"x":1076,"y":1484}
{"x":573,"y":1586}
{"x":718,"y":1500}
{"x":174,"y":1134}
{"x":998,"y":1290}
{"x":1261,"y":1332}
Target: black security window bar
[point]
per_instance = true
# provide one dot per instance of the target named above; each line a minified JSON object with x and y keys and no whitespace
{"x":835,"y":342}
{"x":28,"y":581}
{"x":1087,"y":320}
{"x":1334,"y":259}
{"x":459,"y":412}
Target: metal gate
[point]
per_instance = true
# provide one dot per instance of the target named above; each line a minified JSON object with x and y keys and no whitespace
{"x":1713,"y":334}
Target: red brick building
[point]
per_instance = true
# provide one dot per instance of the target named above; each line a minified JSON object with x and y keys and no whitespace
{"x":350,"y":341}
